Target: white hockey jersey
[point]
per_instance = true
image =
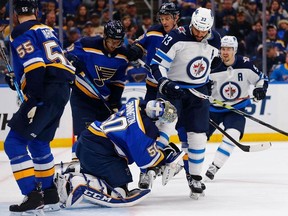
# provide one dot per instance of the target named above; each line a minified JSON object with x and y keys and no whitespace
{"x":181,"y":58}
{"x":232,"y":83}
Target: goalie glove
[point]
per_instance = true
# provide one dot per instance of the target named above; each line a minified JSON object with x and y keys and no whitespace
{"x":170,"y":89}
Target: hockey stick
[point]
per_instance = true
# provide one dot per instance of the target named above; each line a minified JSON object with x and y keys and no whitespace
{"x":82,"y":74}
{"x":10,"y":71}
{"x":245,"y":148}
{"x":144,"y":65}
{"x":215,"y":101}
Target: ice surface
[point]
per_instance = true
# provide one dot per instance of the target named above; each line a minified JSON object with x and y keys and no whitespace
{"x":249,"y":184}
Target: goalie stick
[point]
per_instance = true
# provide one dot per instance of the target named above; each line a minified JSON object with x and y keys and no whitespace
{"x":245,"y":148}
{"x":9,"y":68}
{"x":215,"y":101}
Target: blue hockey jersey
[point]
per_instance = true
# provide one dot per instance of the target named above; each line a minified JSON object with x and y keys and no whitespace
{"x":133,"y":134}
{"x":101,"y":67}
{"x":38,"y":58}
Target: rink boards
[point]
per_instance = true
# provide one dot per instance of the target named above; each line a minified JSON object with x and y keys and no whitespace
{"x":272,"y":110}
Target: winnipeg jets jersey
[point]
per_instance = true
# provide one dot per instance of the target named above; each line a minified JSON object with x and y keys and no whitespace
{"x":232,"y":83}
{"x":37,"y":52}
{"x":101,"y":67}
{"x":132,"y":133}
{"x":182,"y":59}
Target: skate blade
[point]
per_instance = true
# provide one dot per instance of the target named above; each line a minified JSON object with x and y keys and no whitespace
{"x":196,"y":196}
{"x":38,"y":212}
{"x":51,"y":207}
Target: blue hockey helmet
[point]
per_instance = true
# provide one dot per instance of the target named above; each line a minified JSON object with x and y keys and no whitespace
{"x":114,"y":29}
{"x":25,"y":6}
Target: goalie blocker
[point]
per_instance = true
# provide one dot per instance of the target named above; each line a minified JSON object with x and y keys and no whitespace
{"x":73,"y":188}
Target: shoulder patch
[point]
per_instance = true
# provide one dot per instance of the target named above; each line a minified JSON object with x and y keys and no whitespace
{"x":181,"y":30}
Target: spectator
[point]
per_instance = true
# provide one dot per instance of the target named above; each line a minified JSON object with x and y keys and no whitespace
{"x":72,"y":36}
{"x":252,"y":14}
{"x":273,"y":38}
{"x":146,"y":24}
{"x":281,"y":72}
{"x":81,"y":16}
{"x":254,"y":39}
{"x":90,"y":4}
{"x":70,"y":6}
{"x":105,"y":17}
{"x":69,"y":22}
{"x":187,"y":7}
{"x":132,"y":11}
{"x":100,"y":5}
{"x":240,"y":28}
{"x":95,"y":19}
{"x":99,"y":31}
{"x":282,"y":28}
{"x":227,"y":15}
{"x":274,"y":58}
{"x":277,"y":12}
{"x":89,"y":30}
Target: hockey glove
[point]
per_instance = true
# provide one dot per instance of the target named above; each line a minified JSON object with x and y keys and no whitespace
{"x":134,"y":53}
{"x":259,"y":93}
{"x":29,"y":108}
{"x":170,"y":89}
{"x":76,"y":62}
{"x":9,"y":78}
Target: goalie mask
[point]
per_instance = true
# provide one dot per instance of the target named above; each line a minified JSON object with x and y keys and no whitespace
{"x":162,"y":110}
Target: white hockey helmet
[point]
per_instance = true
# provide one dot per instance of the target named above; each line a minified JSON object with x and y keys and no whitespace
{"x":202,"y":19}
{"x":229,"y":41}
{"x":162,"y":110}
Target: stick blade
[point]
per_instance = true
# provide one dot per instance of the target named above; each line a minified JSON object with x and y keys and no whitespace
{"x":259,"y":147}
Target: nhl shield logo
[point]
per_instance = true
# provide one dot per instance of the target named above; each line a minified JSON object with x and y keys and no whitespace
{"x":230,"y":91}
{"x":198,"y":67}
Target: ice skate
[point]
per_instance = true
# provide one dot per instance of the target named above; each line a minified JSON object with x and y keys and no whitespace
{"x":210,"y":173}
{"x":51,"y":200}
{"x":32,"y":204}
{"x":146,"y":179}
{"x":196,"y":186}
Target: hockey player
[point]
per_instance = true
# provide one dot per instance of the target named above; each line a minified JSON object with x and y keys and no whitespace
{"x":103,"y":61}
{"x":44,"y":75}
{"x":232,"y":80}
{"x":106,"y":148}
{"x":183,"y":61}
{"x":168,"y":15}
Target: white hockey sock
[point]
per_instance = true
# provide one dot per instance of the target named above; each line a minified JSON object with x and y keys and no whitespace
{"x":226,"y":148}
{"x":196,"y":152}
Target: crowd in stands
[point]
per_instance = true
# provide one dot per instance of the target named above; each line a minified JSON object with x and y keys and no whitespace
{"x":241,"y":18}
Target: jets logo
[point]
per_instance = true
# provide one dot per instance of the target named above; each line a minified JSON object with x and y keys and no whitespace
{"x":230,"y":91}
{"x":197,"y":67}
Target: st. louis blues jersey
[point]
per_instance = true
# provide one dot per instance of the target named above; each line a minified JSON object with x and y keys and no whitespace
{"x":232,"y":83}
{"x":101,"y":67}
{"x":38,"y":58}
{"x":184,"y":60}
{"x":132,"y":133}
{"x":150,"y":42}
